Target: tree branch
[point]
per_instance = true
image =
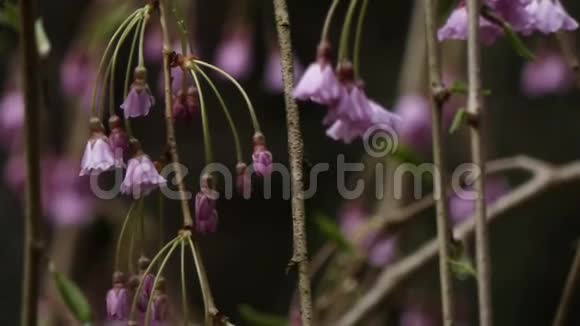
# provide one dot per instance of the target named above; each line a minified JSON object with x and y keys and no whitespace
{"x":475,"y":109}
{"x":544,"y":177}
{"x":439,"y":96}
{"x":32,"y":247}
{"x":296,"y":151}
{"x":571,"y":285}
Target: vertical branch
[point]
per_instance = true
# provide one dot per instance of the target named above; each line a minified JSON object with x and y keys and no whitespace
{"x":439,"y":95}
{"x":32,"y":249}
{"x":572,"y":283}
{"x":475,"y":110}
{"x":296,"y":148}
{"x":170,"y":129}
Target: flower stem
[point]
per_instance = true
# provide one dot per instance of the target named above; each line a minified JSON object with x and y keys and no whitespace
{"x":475,"y":109}
{"x":438,"y":96}
{"x":572,"y":282}
{"x":328,"y":20}
{"x":142,"y":237}
{"x":103,"y":59}
{"x":113,"y":64}
{"x":170,"y":129}
{"x":130,"y":60}
{"x":345,"y":34}
{"x":32,"y":229}
{"x":209,"y":306}
{"x":240,"y":88}
{"x":227,"y":113}
{"x":296,"y":151}
{"x":204,"y":121}
{"x":358,"y":37}
{"x":146,"y":17}
{"x":183,"y":286}
{"x":121,"y":235}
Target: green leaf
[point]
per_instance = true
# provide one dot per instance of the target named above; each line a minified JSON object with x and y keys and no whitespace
{"x":517,"y":43}
{"x":332,"y":232}
{"x":42,"y":41}
{"x":9,"y":16}
{"x":257,"y":318}
{"x":405,"y":154}
{"x":460,"y":262}
{"x":72,"y":296}
{"x":460,"y":88}
{"x":458,"y":120}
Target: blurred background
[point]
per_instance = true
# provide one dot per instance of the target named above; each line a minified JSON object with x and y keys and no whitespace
{"x":532,"y":246}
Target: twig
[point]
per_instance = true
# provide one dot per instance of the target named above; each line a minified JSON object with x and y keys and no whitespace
{"x":544,"y":177}
{"x":571,"y":285}
{"x":32,"y":246}
{"x":296,"y":151}
{"x":170,"y":129}
{"x":439,"y":96}
{"x":475,"y":109}
{"x":209,"y":306}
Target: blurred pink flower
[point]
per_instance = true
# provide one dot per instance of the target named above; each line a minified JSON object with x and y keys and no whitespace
{"x":462,"y":206}
{"x":381,"y":250}
{"x":548,"y":74}
{"x":235,"y":53}
{"x":272,"y":80}
{"x":414,"y":130}
{"x":78,"y":74}
{"x":11,"y":118}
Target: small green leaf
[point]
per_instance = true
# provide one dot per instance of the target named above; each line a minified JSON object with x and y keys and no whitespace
{"x":9,"y":16}
{"x":42,"y":41}
{"x":257,"y":318}
{"x":517,"y":43}
{"x":405,"y":154}
{"x":458,"y":120}
{"x":72,"y":296}
{"x":332,"y":232}
{"x":460,"y":88}
{"x":460,"y":262}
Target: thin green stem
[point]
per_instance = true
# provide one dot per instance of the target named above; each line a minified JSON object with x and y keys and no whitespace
{"x":204,"y":121}
{"x":131,"y":253}
{"x":103,"y":59}
{"x":227,"y":113}
{"x":159,"y":272}
{"x":358,"y":37}
{"x":130,"y":60}
{"x":142,"y":36}
{"x":240,"y":88}
{"x":113,"y":63}
{"x":161,"y":219}
{"x":142,"y":237}
{"x":121,"y":235}
{"x":183,"y":286}
{"x":209,"y":306}
{"x":169,"y":245}
{"x":345,"y":34}
{"x":328,"y":20}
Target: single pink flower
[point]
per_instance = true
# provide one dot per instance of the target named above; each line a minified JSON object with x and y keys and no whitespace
{"x":206,"y":216}
{"x":142,"y":176}
{"x":118,"y":306}
{"x":261,"y":158}
{"x":549,"y":16}
{"x":139,"y":100}
{"x":548,"y":74}
{"x":12,"y":118}
{"x":119,"y":141}
{"x":235,"y":53}
{"x":243,"y":180}
{"x":77,"y":73}
{"x":414,"y":130}
{"x":319,"y":82}
{"x":98,"y":156}
{"x":272,"y":79}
